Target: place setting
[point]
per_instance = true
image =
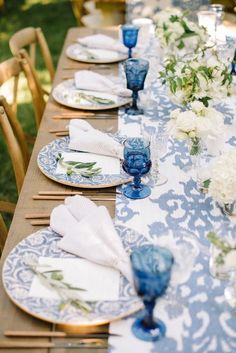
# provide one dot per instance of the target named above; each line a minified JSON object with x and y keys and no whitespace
{"x":103,"y":49}
{"x":87,"y":158}
{"x":97,"y":49}
{"x":83,"y":271}
{"x":46,"y":283}
{"x":90,"y":90}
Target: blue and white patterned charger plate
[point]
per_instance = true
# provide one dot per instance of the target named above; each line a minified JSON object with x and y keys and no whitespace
{"x":18,"y":277}
{"x":67,"y":94}
{"x":47,"y":162}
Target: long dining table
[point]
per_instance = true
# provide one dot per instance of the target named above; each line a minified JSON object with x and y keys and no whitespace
{"x":195,"y":312}
{"x":11,"y":316}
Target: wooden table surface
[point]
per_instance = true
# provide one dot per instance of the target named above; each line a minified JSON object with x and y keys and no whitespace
{"x":11,"y":317}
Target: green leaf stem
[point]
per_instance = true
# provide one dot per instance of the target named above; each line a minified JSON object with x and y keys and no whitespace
{"x":87,"y":170}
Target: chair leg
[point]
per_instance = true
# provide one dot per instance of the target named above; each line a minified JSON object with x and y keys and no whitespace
{"x":3,"y":233}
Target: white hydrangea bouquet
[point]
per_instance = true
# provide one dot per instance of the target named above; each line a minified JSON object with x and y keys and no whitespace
{"x":201,"y":77}
{"x":199,"y":125}
{"x":176,"y":33}
{"x":222,"y":186}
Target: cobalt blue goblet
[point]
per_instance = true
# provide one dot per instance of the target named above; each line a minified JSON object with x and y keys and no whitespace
{"x":130,"y":37}
{"x":151,"y":266}
{"x":136,"y":71}
{"x":136,"y":162}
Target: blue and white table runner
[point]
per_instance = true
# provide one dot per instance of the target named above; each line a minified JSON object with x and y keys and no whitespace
{"x":197,"y":317}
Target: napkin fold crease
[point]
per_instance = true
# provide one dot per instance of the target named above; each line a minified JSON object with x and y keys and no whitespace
{"x":93,"y":81}
{"x":84,"y":138}
{"x":88,"y":231}
{"x":101,"y":41}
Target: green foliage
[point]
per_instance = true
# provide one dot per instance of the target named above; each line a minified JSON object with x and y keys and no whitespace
{"x":184,"y":76}
{"x":85,"y":169}
{"x":221,"y":245}
{"x":195,"y":146}
{"x":54,"y":17}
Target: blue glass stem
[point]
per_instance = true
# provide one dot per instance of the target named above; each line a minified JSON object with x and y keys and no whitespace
{"x":134,"y":102}
{"x":137,"y":182}
{"x":130,"y":53}
{"x":148,"y":316}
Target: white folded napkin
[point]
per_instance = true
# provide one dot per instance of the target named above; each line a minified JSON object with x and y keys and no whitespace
{"x":88,"y":232}
{"x":88,"y":80}
{"x":101,"y":41}
{"x":83,"y":137}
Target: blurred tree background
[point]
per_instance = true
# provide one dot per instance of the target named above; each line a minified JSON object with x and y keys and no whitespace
{"x":54,"y":17}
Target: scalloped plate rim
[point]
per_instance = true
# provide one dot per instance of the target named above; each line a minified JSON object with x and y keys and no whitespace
{"x":123,"y":101}
{"x":136,"y":305}
{"x":80,"y":185}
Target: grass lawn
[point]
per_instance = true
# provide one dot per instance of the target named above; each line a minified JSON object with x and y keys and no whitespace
{"x":54,"y":17}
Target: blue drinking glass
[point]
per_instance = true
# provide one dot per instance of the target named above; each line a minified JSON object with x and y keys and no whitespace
{"x":130,"y":37}
{"x":151,"y":266}
{"x":136,"y":162}
{"x":136,"y":71}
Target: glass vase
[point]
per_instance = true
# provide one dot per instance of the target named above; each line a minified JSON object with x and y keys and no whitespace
{"x":228,"y":209}
{"x":195,"y":148}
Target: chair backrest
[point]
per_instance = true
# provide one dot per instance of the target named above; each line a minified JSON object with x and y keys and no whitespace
{"x":29,"y":37}
{"x":8,"y":207}
{"x":15,"y":141}
{"x":78,"y":9}
{"x":3,"y":233}
{"x":12,"y":68}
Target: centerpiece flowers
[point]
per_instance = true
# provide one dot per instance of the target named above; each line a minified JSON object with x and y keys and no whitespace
{"x":176,"y":33}
{"x":201,"y":76}
{"x":199,"y":125}
{"x":222,"y":183}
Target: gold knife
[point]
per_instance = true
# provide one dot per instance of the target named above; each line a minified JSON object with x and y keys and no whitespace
{"x":81,"y":343}
{"x":57,"y":334}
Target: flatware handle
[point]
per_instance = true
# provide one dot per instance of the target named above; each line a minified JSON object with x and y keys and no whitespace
{"x":86,"y":343}
{"x":78,"y":113}
{"x":17,"y":344}
{"x":61,"y":197}
{"x":62,"y":133}
{"x":10,"y":333}
{"x":53,"y":131}
{"x":48,"y":197}
{"x":57,"y":334}
{"x":36,"y":215}
{"x":60,"y":192}
{"x":44,"y":222}
{"x":65,"y":117}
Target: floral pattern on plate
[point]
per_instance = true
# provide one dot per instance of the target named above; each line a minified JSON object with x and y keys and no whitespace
{"x":47,"y":163}
{"x":67,"y":94}
{"x":17,"y":279}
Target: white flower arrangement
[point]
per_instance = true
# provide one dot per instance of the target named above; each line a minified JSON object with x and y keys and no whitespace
{"x":201,"y":77}
{"x":198,"y":123}
{"x":177,"y":33}
{"x":222,"y":186}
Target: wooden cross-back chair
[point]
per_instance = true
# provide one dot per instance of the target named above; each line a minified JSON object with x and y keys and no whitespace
{"x":14,"y":138}
{"x":3,"y":233}
{"x":78,"y":9}
{"x":12,"y":68}
{"x":29,"y":37}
